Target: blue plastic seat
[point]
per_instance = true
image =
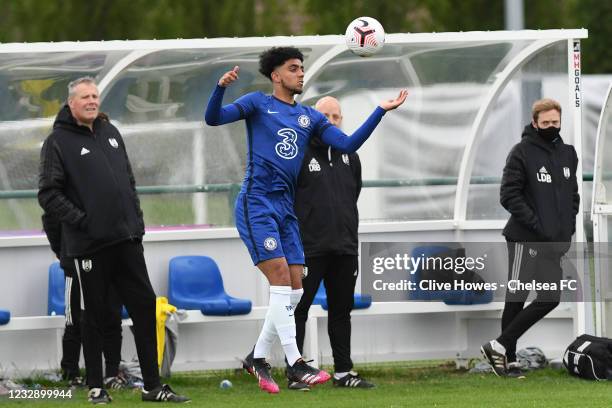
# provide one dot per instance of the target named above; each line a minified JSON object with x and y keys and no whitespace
{"x":195,"y":283}
{"x":360,"y":301}
{"x":56,"y":301}
{"x":449,"y":297}
{"x":5,"y":316}
{"x":57,"y":286}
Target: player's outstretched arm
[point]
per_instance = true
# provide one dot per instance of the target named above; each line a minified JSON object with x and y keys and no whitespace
{"x":229,"y":77}
{"x":215,"y":113}
{"x":334,"y":137}
{"x":391,"y":104}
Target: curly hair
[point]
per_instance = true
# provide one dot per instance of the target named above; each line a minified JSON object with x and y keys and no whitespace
{"x":275,"y":57}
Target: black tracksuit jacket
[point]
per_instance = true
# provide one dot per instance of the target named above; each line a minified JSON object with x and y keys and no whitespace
{"x":53,"y":229}
{"x":86,"y":182}
{"x":326,"y":201}
{"x":540,"y":190}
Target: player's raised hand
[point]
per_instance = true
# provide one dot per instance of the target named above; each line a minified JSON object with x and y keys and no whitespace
{"x":394,"y":103}
{"x":229,"y":77}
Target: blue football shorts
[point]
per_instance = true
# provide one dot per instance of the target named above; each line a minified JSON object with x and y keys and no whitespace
{"x":268,"y":227}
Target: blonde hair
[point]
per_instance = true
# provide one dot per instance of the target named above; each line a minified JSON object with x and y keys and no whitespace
{"x":544,"y":105}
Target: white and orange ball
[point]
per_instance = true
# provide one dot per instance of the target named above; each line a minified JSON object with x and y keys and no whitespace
{"x":365,"y":36}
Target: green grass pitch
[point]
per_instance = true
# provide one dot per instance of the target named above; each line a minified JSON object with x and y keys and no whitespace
{"x":398,"y":385}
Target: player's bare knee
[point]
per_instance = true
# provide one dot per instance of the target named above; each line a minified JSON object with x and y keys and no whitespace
{"x":276,"y":271}
{"x":279,"y":276}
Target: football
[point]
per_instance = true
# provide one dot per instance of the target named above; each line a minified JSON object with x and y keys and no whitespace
{"x":365,"y":36}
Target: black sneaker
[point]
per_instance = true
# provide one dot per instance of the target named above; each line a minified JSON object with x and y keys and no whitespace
{"x":163,"y":393}
{"x":297,"y":386}
{"x":247,"y":363}
{"x":495,"y":358}
{"x":261,"y":370}
{"x":302,"y":372}
{"x":76,"y":382}
{"x":352,"y":380}
{"x":98,"y":396}
{"x":515,"y":370}
{"x":115,"y":383}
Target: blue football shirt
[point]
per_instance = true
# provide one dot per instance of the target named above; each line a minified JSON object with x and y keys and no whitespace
{"x":278,"y":134}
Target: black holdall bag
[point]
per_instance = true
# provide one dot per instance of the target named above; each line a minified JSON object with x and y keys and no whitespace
{"x":589,"y":357}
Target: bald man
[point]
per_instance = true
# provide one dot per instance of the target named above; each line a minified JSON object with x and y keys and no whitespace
{"x":326,"y":206}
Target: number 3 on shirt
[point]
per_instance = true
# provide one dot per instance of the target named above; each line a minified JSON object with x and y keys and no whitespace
{"x":287,"y":149}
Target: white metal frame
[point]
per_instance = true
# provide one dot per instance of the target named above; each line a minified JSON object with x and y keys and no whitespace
{"x":600,"y":211}
{"x":467,"y":160}
{"x":311,"y":346}
{"x":142,"y":48}
{"x":459,"y":222}
{"x":250,"y":42}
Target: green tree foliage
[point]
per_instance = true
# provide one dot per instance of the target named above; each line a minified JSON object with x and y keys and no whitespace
{"x":70,"y":20}
{"x":48,"y":20}
{"x":594,"y":15}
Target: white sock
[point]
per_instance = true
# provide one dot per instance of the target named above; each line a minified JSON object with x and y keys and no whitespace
{"x":338,"y":376}
{"x":296,"y":295}
{"x":280,"y":313}
{"x":266,"y":338}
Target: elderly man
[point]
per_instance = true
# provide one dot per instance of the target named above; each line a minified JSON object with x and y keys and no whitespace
{"x":86,"y":183}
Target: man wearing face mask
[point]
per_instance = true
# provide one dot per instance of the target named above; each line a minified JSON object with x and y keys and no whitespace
{"x":540,"y":190}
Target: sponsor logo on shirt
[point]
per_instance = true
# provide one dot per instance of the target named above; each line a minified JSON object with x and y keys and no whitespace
{"x":314,"y":165}
{"x":287,"y":149}
{"x":543,"y":176}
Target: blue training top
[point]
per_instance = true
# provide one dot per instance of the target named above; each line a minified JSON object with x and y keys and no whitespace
{"x":278,"y":134}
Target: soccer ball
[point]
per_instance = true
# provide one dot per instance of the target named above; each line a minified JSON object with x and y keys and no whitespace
{"x":365,"y":36}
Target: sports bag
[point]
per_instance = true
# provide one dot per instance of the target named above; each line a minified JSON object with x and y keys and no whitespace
{"x":589,"y":357}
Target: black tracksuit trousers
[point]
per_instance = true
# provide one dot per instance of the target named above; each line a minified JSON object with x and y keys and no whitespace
{"x":339,"y":273}
{"x":71,"y":340}
{"x":120,"y":267}
{"x":527,"y":262}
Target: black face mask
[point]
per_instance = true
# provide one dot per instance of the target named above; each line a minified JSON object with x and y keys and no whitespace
{"x":550,"y":133}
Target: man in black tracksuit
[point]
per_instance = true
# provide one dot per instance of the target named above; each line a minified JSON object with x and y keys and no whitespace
{"x":540,"y":190}
{"x":326,"y":206}
{"x":86,"y":182}
{"x":71,"y":340}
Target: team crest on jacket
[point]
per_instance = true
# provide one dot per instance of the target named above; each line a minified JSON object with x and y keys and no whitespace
{"x":270,"y":244}
{"x":532,"y":252}
{"x":113,"y":142}
{"x":566,"y":172}
{"x":345,"y":159}
{"x":304,"y":121}
{"x":86,"y":264}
